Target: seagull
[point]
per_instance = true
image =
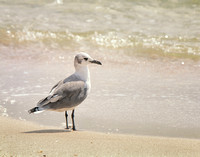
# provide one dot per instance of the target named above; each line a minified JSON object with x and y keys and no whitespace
{"x":68,"y":93}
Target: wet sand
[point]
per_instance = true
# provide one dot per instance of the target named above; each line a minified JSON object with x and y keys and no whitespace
{"x":21,"y":138}
{"x":158,"y":97}
{"x":129,"y":95}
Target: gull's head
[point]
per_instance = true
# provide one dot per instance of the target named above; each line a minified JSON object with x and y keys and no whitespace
{"x":83,"y":59}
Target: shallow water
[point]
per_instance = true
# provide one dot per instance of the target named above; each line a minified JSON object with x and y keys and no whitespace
{"x":147,"y":84}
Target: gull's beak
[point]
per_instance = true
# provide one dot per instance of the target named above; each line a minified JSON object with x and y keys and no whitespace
{"x":96,"y":62}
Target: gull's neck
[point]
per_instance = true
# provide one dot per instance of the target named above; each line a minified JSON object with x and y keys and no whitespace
{"x":83,"y":72}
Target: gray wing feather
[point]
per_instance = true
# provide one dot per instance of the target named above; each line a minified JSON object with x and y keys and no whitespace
{"x":64,"y":94}
{"x":56,"y":85}
{"x":71,"y":78}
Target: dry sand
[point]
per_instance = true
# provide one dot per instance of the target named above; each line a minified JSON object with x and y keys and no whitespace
{"x":22,"y":138}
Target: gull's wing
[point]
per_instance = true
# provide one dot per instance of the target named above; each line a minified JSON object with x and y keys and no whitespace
{"x":71,"y":92}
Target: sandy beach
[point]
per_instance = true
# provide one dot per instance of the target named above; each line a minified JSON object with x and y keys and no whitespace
{"x":38,"y":135}
{"x":22,"y":138}
{"x":161,"y":116}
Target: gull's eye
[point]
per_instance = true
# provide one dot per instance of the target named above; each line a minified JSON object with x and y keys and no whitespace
{"x":85,"y":59}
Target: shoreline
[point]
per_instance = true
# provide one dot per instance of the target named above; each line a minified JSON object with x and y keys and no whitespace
{"x":23,"y":138}
{"x":143,"y":86}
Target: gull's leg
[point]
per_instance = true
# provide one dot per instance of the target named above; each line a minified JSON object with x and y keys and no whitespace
{"x":73,"y":123}
{"x":66,"y":117}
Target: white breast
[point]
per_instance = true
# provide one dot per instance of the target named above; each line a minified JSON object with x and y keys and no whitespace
{"x":88,"y":86}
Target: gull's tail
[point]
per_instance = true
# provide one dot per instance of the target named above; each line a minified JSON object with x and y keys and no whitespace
{"x":35,"y":110}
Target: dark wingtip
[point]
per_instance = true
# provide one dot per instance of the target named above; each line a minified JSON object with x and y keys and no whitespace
{"x":33,"y":110}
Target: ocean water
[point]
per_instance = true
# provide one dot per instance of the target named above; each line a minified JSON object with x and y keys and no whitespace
{"x":150,"y":50}
{"x":144,"y":28}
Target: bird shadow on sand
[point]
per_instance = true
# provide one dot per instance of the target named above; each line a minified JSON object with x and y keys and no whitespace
{"x":48,"y":131}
